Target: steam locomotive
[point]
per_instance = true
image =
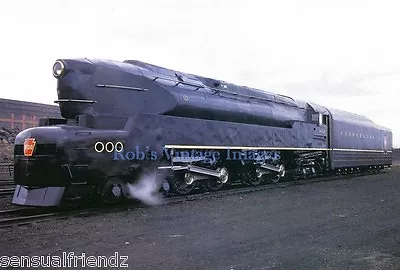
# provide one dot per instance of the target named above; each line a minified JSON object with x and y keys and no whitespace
{"x":125,"y":119}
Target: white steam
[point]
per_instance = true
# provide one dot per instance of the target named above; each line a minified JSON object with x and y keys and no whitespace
{"x":147,"y":189}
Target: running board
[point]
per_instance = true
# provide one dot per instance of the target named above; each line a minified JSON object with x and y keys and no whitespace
{"x":271,"y":167}
{"x":221,"y":174}
{"x":192,"y":168}
{"x":279,"y":170}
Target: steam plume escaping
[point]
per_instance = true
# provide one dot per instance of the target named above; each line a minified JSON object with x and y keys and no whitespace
{"x":147,"y":189}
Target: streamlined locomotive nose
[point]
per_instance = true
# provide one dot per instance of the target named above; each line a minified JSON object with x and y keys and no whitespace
{"x":74,"y":84}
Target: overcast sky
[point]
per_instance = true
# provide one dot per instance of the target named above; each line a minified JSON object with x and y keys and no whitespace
{"x":341,"y":54}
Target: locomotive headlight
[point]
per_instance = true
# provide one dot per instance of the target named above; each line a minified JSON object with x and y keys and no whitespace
{"x":58,"y":69}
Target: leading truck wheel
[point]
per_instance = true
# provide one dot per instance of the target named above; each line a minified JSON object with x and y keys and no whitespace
{"x":114,"y":191}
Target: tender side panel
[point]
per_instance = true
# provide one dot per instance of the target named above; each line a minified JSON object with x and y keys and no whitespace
{"x":357,"y":141}
{"x":359,"y":159}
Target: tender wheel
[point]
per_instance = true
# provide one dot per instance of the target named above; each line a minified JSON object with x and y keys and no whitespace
{"x":304,"y":173}
{"x":181,"y":185}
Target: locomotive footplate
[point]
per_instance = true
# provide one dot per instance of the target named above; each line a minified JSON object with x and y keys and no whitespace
{"x":47,"y":196}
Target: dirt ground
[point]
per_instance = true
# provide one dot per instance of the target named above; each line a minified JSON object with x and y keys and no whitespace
{"x":343,"y":224}
{"x":396,"y":156}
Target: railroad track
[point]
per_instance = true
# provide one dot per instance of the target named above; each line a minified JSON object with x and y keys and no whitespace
{"x":21,"y":216}
{"x":7,"y":169}
{"x":6,"y":182}
{"x":6,"y":191}
{"x":7,"y":185}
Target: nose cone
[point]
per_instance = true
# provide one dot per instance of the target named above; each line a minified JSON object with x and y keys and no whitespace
{"x":62,"y":67}
{"x":74,"y":85}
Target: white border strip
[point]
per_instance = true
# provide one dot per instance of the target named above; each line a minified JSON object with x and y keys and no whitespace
{"x":360,"y":150}
{"x":216,"y":147}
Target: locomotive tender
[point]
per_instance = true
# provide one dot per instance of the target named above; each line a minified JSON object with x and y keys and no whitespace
{"x":125,"y":119}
